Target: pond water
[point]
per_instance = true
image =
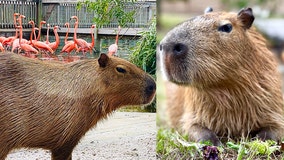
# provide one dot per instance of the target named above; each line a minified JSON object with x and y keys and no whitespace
{"x":125,"y":44}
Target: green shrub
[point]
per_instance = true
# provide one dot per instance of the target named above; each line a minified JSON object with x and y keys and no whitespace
{"x":144,"y":55}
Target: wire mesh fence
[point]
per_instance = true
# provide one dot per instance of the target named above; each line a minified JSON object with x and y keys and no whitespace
{"x":62,"y":12}
{"x":8,"y":8}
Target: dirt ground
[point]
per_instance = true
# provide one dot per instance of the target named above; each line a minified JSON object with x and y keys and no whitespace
{"x":123,"y":136}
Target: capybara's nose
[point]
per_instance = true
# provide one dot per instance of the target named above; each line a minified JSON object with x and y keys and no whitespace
{"x":164,"y":48}
{"x":150,"y":88}
{"x":177,"y":49}
{"x":161,"y":47}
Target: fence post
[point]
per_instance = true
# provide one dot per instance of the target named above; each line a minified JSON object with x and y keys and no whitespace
{"x":39,"y":11}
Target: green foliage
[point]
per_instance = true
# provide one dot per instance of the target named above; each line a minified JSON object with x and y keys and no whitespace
{"x":108,"y":11}
{"x":255,"y":148}
{"x":144,"y":55}
{"x":171,"y":145}
{"x":168,"y":146}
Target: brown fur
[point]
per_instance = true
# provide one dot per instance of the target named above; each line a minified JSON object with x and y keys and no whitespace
{"x":52,"y":105}
{"x":226,"y":84}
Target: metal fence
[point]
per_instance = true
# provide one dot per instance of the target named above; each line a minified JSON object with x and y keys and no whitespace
{"x":8,"y":8}
{"x":59,"y":14}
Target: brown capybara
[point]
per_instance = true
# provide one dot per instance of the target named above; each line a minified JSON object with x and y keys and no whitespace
{"x":52,"y":105}
{"x":225,"y":81}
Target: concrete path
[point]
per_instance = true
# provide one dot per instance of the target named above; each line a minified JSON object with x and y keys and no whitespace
{"x":123,"y":136}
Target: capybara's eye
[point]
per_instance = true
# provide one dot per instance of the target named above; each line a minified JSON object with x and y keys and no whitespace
{"x":226,"y":28}
{"x":121,"y":70}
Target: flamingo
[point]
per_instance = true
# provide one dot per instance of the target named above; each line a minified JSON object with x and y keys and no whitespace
{"x":69,"y":45}
{"x":82,"y":44}
{"x":16,"y":42}
{"x":26,"y":47}
{"x":66,"y":37}
{"x":32,"y":41}
{"x":2,"y":39}
{"x":92,"y":44}
{"x":1,"y":47}
{"x":47,"y":34}
{"x":112,"y":49}
{"x":39,"y":32}
{"x":54,"y":45}
{"x":15,"y":19}
{"x":9,"y":40}
{"x":39,"y":44}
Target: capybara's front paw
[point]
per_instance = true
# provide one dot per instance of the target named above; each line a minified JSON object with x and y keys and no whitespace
{"x":202,"y":134}
{"x":211,"y":137}
{"x":266,"y":134}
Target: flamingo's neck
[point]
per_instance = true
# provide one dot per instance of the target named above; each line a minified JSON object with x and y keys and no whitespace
{"x":31,"y":35}
{"x":75,"y":30}
{"x":47,"y":34}
{"x":39,"y":31}
{"x":21,"y":35}
{"x":34,"y":34}
{"x":116,"y":38}
{"x":93,"y":38}
{"x":16,"y":35}
{"x":56,"y":36}
{"x":66,"y":37}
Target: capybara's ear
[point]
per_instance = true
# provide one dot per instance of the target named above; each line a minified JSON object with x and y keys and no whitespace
{"x":103,"y":60}
{"x":246,"y":17}
{"x":208,"y":10}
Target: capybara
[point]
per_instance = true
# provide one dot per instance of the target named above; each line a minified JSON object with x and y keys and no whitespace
{"x":224,"y":81}
{"x":52,"y":105}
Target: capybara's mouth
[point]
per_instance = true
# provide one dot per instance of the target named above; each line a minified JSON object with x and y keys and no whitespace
{"x":174,"y":67}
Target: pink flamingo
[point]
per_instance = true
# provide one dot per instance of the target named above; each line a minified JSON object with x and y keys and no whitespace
{"x":66,"y":36}
{"x":2,"y":39}
{"x":69,"y":45}
{"x":26,"y":47}
{"x":54,"y":45}
{"x":82,"y":44}
{"x":112,"y":49}
{"x":9,"y":40}
{"x":39,"y":44}
{"x":16,"y":42}
{"x":15,"y":23}
{"x":90,"y":45}
{"x":39,"y":32}
{"x":1,"y":47}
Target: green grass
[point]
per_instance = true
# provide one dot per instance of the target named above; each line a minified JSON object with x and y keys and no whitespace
{"x":134,"y":109}
{"x":172,"y":145}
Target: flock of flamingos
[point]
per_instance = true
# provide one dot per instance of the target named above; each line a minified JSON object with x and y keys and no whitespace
{"x":34,"y":47}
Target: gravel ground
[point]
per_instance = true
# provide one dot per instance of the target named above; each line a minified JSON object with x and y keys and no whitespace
{"x":123,"y":136}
